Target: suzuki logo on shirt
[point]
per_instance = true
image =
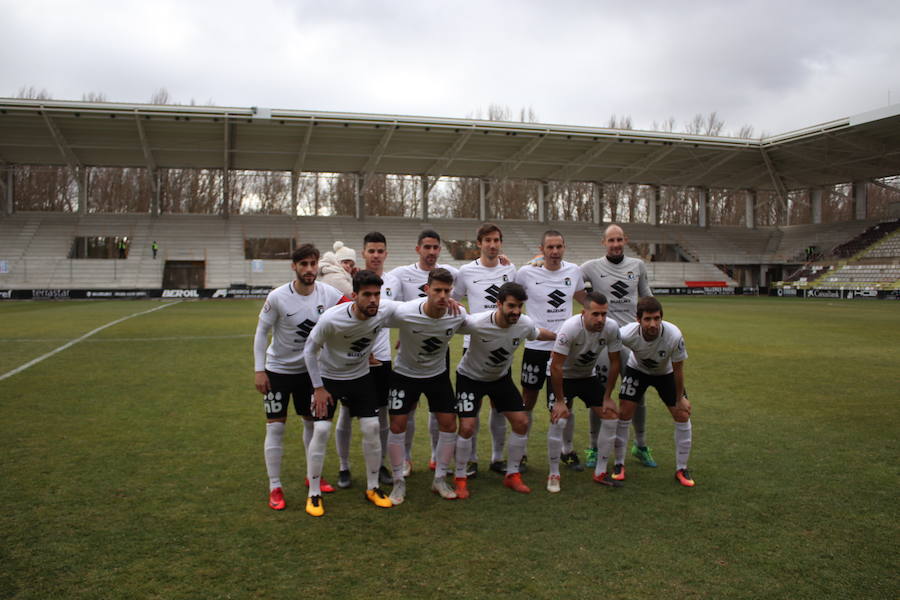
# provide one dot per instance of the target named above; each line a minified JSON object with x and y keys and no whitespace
{"x":422,"y":293}
{"x":491,"y":293}
{"x":431,"y":345}
{"x":649,"y":363}
{"x":499,"y":356}
{"x":360,"y":344}
{"x":619,"y":289}
{"x":304,"y":328}
{"x":556,"y":298}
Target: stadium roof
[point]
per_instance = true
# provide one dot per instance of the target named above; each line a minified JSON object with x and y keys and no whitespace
{"x":45,"y":132}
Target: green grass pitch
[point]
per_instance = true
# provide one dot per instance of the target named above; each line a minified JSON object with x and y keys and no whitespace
{"x":132,"y":467}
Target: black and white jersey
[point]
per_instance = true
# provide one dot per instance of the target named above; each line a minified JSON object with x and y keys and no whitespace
{"x":343,"y":342}
{"x":291,"y":316}
{"x":492,"y":347}
{"x":408,"y":282}
{"x":550,"y":296}
{"x":423,"y":339}
{"x":584,"y":348}
{"x":480,"y":284}
{"x":654,"y":357}
{"x":622,"y":284}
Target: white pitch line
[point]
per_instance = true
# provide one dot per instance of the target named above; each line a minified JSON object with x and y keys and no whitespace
{"x":31,"y":363}
{"x":174,"y":338}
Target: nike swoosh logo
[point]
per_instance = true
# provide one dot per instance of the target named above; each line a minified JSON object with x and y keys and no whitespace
{"x":291,"y":314}
{"x":602,"y":276}
{"x":417,"y":331}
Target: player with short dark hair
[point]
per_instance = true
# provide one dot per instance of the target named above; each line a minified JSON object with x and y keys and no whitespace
{"x":408,"y":283}
{"x":426,"y":327}
{"x":580,"y":342}
{"x":484,"y":371}
{"x":552,"y":284}
{"x":479,"y":281}
{"x":290,"y":312}
{"x":657,"y":360}
{"x":374,"y":253}
{"x":337,"y":358}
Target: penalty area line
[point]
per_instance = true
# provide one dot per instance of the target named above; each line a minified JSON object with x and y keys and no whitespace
{"x":35,"y":361}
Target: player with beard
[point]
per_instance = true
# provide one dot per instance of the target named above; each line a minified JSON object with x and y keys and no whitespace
{"x":657,"y":360}
{"x":374,"y":253}
{"x":622,"y":279}
{"x":484,"y":371}
{"x":408,"y":283}
{"x":290,"y":312}
{"x":479,"y":281}
{"x":337,"y":358}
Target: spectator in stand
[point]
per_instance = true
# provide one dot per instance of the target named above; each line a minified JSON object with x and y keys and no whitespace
{"x":155,"y":247}
{"x":337,"y":268}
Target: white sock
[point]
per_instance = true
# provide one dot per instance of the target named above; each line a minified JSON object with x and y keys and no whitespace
{"x":433,"y":430}
{"x":384,"y":420}
{"x":342,"y":432}
{"x":315,"y":455}
{"x":606,"y":439}
{"x":371,"y":449}
{"x":474,"y":456}
{"x":463,"y":452}
{"x":517,"y":445}
{"x":498,"y":435}
{"x":410,"y":433}
{"x":639,"y":421}
{"x":595,"y":427}
{"x":397,"y":453}
{"x":683,"y":442}
{"x":622,"y":440}
{"x":568,"y":436}
{"x":446,"y":446}
{"x":307,"y":433}
{"x":554,"y":444}
{"x":274,"y":449}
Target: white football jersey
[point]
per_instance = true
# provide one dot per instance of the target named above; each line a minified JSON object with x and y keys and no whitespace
{"x":344,"y":342}
{"x":408,"y":282}
{"x":492,"y":347}
{"x":423,"y":339}
{"x":622,"y":284}
{"x":291,"y":317}
{"x":550,"y":296}
{"x":584,"y":348}
{"x":481,"y":284}
{"x":382,"y":349}
{"x":654,"y":357}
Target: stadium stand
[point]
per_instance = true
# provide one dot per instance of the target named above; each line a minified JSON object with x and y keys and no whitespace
{"x":865,"y":239}
{"x":35,"y":245}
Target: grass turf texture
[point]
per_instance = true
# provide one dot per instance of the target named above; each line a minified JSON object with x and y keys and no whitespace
{"x":133,"y":467}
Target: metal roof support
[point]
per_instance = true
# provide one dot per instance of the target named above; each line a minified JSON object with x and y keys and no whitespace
{"x":654,"y":204}
{"x":543,"y":192}
{"x":885,"y":185}
{"x":83,"y":178}
{"x":226,"y":169}
{"x":423,"y":189}
{"x":750,"y":209}
{"x":815,"y":201}
{"x":295,"y":187}
{"x":597,"y":200}
{"x":304,"y":148}
{"x":148,"y":154}
{"x":155,"y":199}
{"x":777,"y":181}
{"x":703,"y":207}
{"x":514,"y":161}
{"x":359,"y":189}
{"x":483,"y":191}
{"x":10,"y":206}
{"x":642,"y":166}
{"x":64,"y":149}
{"x":316,"y":195}
{"x":440,"y":165}
{"x":369,"y":168}
{"x":860,"y":200}
{"x":705,"y":169}
{"x":566,"y":172}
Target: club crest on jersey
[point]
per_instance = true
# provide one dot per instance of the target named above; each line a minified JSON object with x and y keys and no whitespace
{"x":267,"y":307}
{"x":388,"y":292}
{"x":449,"y":332}
{"x":662,"y":353}
{"x":630,"y":274}
{"x":515,"y":341}
{"x":320,"y":308}
{"x":567,"y":281}
{"x":506,"y":278}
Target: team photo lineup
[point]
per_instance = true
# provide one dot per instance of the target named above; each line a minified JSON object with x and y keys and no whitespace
{"x":323,"y":343}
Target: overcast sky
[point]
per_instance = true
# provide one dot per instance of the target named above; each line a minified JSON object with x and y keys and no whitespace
{"x":775,"y":65}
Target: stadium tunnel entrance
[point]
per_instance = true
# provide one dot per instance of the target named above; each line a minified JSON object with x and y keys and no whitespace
{"x":184,"y":274}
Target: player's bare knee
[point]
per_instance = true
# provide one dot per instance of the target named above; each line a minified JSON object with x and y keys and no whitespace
{"x":609,"y":414}
{"x":682,"y":415}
